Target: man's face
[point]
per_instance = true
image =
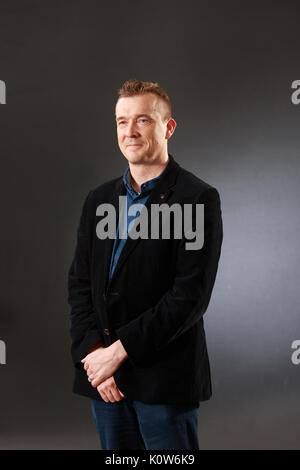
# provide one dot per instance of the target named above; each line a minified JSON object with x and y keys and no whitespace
{"x":142,"y":134}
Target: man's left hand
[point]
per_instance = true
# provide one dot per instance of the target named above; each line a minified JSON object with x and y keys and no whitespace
{"x":103,"y":362}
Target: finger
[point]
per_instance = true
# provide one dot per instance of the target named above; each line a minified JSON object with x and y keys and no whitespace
{"x":96,"y":381}
{"x":112,"y":383}
{"x":120,"y":396}
{"x":104,"y":397}
{"x":115,"y":393}
{"x":110,"y":396}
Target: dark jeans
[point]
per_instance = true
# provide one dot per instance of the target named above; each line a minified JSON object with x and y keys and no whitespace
{"x":131,"y":424}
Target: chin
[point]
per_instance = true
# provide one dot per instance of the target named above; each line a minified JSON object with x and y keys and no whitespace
{"x":134,"y":157}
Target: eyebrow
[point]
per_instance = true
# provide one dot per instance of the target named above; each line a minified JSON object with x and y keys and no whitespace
{"x":136,"y":115}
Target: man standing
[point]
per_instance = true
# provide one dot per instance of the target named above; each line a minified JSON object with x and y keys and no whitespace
{"x":137,"y":303}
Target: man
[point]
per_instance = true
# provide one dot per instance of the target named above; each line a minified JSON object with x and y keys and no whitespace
{"x":137,"y":303}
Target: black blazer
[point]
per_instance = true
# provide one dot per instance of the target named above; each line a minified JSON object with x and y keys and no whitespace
{"x":155,"y":300}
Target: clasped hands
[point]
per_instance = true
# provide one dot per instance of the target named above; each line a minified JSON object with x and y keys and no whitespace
{"x":100,"y":364}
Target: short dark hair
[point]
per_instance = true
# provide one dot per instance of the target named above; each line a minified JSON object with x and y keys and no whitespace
{"x":134,"y":87}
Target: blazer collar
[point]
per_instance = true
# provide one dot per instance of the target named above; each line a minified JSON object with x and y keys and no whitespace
{"x":166,"y":180}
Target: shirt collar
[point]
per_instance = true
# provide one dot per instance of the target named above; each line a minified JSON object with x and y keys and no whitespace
{"x":146,"y":187}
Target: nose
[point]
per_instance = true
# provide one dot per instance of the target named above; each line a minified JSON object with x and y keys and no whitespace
{"x":131,"y":129}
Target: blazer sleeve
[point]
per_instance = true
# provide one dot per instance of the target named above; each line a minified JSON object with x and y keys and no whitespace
{"x":82,"y":319}
{"x":186,"y":302}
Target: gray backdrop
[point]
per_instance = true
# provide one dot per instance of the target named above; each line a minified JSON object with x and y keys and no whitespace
{"x":228,"y":69}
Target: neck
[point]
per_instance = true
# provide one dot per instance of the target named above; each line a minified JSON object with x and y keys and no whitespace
{"x":140,"y":173}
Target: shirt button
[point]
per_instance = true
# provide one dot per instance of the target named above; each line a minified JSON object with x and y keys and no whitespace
{"x":106,"y":331}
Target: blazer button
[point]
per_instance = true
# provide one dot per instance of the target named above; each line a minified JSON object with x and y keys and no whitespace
{"x":106,"y":331}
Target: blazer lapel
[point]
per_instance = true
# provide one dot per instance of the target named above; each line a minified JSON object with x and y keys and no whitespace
{"x":120,"y":190}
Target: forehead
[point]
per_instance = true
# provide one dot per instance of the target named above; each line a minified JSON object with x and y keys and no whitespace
{"x":139,"y":104}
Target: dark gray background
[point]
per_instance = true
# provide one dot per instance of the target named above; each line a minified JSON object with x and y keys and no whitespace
{"x":228,"y":69}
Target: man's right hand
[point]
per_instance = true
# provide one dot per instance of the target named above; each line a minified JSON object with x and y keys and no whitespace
{"x":109,"y":390}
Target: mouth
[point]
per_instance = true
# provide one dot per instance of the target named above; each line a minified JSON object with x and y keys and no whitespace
{"x":134,"y":145}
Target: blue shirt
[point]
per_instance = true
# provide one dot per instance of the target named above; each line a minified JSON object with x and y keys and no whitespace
{"x":133,"y":197}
